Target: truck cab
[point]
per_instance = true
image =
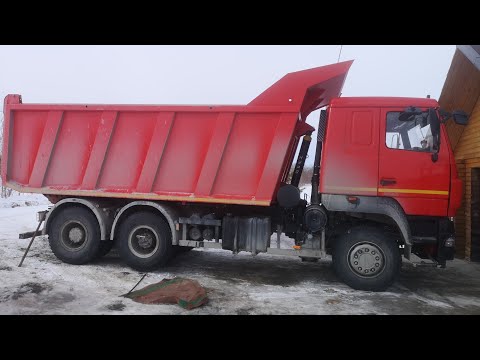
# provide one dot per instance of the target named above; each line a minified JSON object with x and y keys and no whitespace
{"x":382,"y":154}
{"x":387,"y":166}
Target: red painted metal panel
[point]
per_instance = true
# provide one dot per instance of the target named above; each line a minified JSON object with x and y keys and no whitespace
{"x":308,"y":90}
{"x":421,"y":186}
{"x":350,"y":156}
{"x":185,"y":153}
{"x":246,"y":154}
{"x":355,"y":158}
{"x":155,"y":151}
{"x":73,"y":148}
{"x":224,"y":154}
{"x":276,"y":156}
{"x":154,"y":108}
{"x":45,"y":150}
{"x":99,"y":148}
{"x":127,"y":151}
{"x":9,"y":101}
{"x":402,"y":102}
{"x":26,"y":135}
{"x":210,"y":167}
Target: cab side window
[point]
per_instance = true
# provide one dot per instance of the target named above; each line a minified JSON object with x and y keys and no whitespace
{"x":412,"y":135}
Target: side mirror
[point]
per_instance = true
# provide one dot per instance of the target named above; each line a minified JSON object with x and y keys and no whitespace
{"x":444,"y":115}
{"x":460,"y":117}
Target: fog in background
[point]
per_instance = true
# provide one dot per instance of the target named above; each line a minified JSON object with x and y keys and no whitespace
{"x":202,"y":74}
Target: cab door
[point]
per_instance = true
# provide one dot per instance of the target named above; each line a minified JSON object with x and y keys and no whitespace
{"x":406,"y":170}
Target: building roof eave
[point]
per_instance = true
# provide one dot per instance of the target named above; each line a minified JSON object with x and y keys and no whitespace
{"x":471,"y":52}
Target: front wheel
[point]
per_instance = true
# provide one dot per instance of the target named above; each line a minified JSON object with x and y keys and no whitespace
{"x":145,"y":241}
{"x":365,"y":259}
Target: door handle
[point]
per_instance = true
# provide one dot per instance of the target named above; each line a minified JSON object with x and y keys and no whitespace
{"x":385,"y":182}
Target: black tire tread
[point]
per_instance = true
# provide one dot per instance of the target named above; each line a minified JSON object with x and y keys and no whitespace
{"x":88,"y":219}
{"x":390,"y":248}
{"x":163,"y":254}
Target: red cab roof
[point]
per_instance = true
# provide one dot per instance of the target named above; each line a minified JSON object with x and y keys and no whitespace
{"x":382,"y":102}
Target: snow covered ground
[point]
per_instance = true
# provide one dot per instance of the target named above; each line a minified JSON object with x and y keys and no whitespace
{"x":236,"y":284}
{"x":306,"y":190}
{"x":19,"y":199}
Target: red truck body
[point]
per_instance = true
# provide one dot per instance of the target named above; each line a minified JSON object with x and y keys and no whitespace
{"x":156,"y":179}
{"x":219,"y":154}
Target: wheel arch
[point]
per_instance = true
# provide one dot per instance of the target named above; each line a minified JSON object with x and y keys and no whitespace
{"x":373,"y":205}
{"x":93,"y":206}
{"x":168,"y":213}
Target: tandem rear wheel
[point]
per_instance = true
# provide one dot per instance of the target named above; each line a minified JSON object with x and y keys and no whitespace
{"x":145,"y":241}
{"x":74,"y":236}
{"x":366,"y":259}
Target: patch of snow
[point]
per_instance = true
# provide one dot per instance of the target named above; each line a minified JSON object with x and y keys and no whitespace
{"x":431,"y":302}
{"x":235,"y":284}
{"x":23,"y":199}
{"x":306,"y":190}
{"x":463,"y":301}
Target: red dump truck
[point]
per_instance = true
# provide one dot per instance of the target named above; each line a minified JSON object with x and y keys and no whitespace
{"x":158,"y":179}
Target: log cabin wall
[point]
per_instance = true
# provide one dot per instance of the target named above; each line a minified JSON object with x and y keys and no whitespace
{"x":461,"y":91}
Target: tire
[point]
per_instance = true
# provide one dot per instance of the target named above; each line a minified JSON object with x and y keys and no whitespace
{"x":74,"y":236}
{"x":105,"y":247}
{"x":145,"y":241}
{"x":365,"y":259}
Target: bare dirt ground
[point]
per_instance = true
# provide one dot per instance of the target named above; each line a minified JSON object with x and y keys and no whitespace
{"x":236,"y":284}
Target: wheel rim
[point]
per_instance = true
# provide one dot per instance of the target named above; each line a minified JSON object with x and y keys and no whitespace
{"x":366,"y":260}
{"x":143,"y":241}
{"x":73,"y":235}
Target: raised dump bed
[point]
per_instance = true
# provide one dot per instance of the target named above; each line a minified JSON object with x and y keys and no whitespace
{"x":219,"y":154}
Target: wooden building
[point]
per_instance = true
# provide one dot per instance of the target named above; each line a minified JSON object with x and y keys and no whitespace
{"x":461,"y":91}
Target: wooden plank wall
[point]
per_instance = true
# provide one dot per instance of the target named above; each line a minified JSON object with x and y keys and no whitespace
{"x":460,"y":234}
{"x":467,"y":156}
{"x":475,"y":215}
{"x":470,"y":164}
{"x":461,"y":91}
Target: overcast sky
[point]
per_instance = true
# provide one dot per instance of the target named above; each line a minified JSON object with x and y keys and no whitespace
{"x":209,"y":74}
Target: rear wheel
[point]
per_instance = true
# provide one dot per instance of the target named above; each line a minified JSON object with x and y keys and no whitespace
{"x":74,"y":235}
{"x":365,"y":259}
{"x":145,"y":241}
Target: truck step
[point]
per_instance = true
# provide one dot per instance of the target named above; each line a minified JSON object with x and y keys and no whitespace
{"x":28,"y":235}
